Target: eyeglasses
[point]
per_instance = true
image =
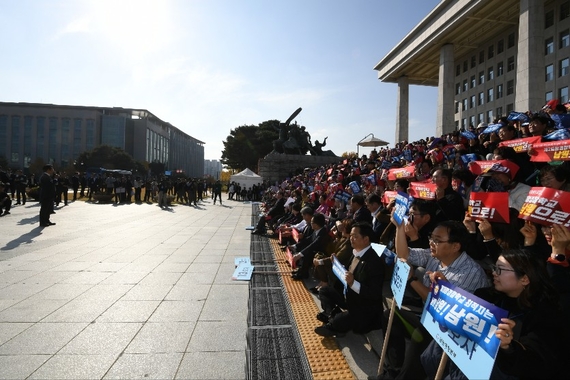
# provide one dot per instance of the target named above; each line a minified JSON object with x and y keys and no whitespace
{"x":437,"y":242}
{"x":497,"y":269}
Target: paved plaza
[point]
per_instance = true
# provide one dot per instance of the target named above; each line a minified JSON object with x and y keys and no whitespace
{"x":123,"y":292}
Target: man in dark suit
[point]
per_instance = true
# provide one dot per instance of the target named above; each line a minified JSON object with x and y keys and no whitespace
{"x":359,"y":211}
{"x":362,"y":299}
{"x":319,"y":241}
{"x":276,"y":211}
{"x":47,"y":195}
{"x":374,"y":205}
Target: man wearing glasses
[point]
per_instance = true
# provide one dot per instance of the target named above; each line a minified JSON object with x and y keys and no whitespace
{"x":445,"y":259}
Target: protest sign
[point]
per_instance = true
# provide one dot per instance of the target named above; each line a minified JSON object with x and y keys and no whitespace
{"x":242,"y":260}
{"x":399,"y":280}
{"x":382,"y":251}
{"x":546,"y":206}
{"x":243,"y":272}
{"x":338,"y":270}
{"x":355,"y":187}
{"x":296,"y":235}
{"x":479,"y":167}
{"x":402,"y":207}
{"x":422,"y":190}
{"x":521,"y":145}
{"x":551,"y":151}
{"x":464,"y":327}
{"x":342,"y":195}
{"x":491,"y":206}
{"x":401,"y":173}
{"x":388,"y":197}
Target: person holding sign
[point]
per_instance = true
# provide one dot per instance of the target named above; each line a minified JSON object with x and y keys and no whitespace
{"x":449,"y":202}
{"x":362,"y":299}
{"x":446,"y":259}
{"x":533,"y":339}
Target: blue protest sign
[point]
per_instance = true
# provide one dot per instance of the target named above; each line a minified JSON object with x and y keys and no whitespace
{"x":338,"y":270}
{"x":559,"y":134}
{"x":518,"y":116}
{"x":355,"y":187}
{"x":402,"y":207}
{"x":492,"y":128}
{"x":243,"y":272}
{"x":342,"y":196}
{"x":399,"y":279}
{"x":467,"y":158}
{"x":464,"y":326}
{"x":561,"y":120}
{"x":468,"y":135}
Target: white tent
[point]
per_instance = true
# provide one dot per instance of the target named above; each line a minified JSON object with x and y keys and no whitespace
{"x":246,"y":178}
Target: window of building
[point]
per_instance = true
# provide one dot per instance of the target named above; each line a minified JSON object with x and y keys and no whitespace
{"x":500,"y":68}
{"x":15,"y":143}
{"x":499,"y":111}
{"x":490,"y":96}
{"x":511,"y":41}
{"x":500,"y":46}
{"x":499,"y":91}
{"x":456,"y":124}
{"x":489,"y":116}
{"x":464,"y":123}
{"x":457,"y":88}
{"x":464,"y":104}
{"x":548,"y":96}
{"x":563,"y":95}
{"x":472,"y":102}
{"x":510,"y":87}
{"x":472,"y":120}
{"x":465,"y":86}
{"x":481,"y":98}
{"x":40,"y":135}
{"x":473,"y":62}
{"x":458,"y":70}
{"x":28,"y":121}
{"x":510,"y":108}
{"x":481,"y":57}
{"x":480,"y":118}
{"x":564,"y":38}
{"x":481,"y":77}
{"x":90,"y":135}
{"x":491,"y":51}
{"x":473,"y":81}
{"x":77,"y":135}
{"x":457,"y":107}
{"x":490,"y":73}
{"x":548,"y":19}
{"x":563,"y":67}
{"x":465,"y":66}
{"x":510,"y":64}
{"x":549,"y":73}
{"x":549,"y":46}
{"x":564,"y":10}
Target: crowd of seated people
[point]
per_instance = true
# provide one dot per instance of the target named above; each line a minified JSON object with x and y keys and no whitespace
{"x":353,"y":202}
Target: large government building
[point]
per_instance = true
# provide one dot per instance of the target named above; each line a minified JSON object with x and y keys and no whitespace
{"x":486,"y":57}
{"x":58,"y":134}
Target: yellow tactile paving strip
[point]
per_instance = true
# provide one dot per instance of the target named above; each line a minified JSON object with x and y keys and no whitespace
{"x":324,"y":356}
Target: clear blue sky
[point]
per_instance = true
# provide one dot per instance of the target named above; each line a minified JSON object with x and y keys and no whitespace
{"x":209,"y":66}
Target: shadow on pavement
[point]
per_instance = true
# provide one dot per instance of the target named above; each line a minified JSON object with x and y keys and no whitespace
{"x":24,"y":239}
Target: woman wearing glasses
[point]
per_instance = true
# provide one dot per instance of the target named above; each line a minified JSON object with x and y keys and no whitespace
{"x":533,"y":339}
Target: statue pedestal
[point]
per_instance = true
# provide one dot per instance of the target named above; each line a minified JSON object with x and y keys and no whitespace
{"x":278,"y":166}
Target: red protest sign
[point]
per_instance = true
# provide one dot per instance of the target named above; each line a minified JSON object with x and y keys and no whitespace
{"x":491,"y":206}
{"x":289,"y":255}
{"x":546,"y":206}
{"x":388,"y":197}
{"x":551,"y":151}
{"x":521,"y":145}
{"x":479,"y":167}
{"x":399,"y":173}
{"x":422,"y":190}
{"x":295,"y":234}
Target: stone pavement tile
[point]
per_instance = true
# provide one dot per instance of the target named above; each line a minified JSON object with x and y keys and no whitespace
{"x":207,"y":365}
{"x":209,"y":258}
{"x":161,"y":278}
{"x":51,"y":277}
{"x":15,"y":276}
{"x":123,"y":257}
{"x":147,"y":293}
{"x":42,"y":338}
{"x":75,"y":367}
{"x":226,"y":301}
{"x":218,"y":336}
{"x":177,"y":311}
{"x":102,"y":339}
{"x":31,"y":310}
{"x":196,"y":278}
{"x":87,"y":278}
{"x":73,"y":266}
{"x":161,"y":337}
{"x":106,"y":267}
{"x":123,"y":277}
{"x":10,"y":265}
{"x":61,"y":292}
{"x":9,"y":330}
{"x":106,"y":292}
{"x":20,"y":366}
{"x":181,"y":292}
{"x":80,"y":310}
{"x":4,"y":304}
{"x":203,"y":268}
{"x":180,"y":257}
{"x":224,"y":275}
{"x":21,"y":291}
{"x":129,"y":311}
{"x":171,"y":268}
{"x":145,"y":366}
